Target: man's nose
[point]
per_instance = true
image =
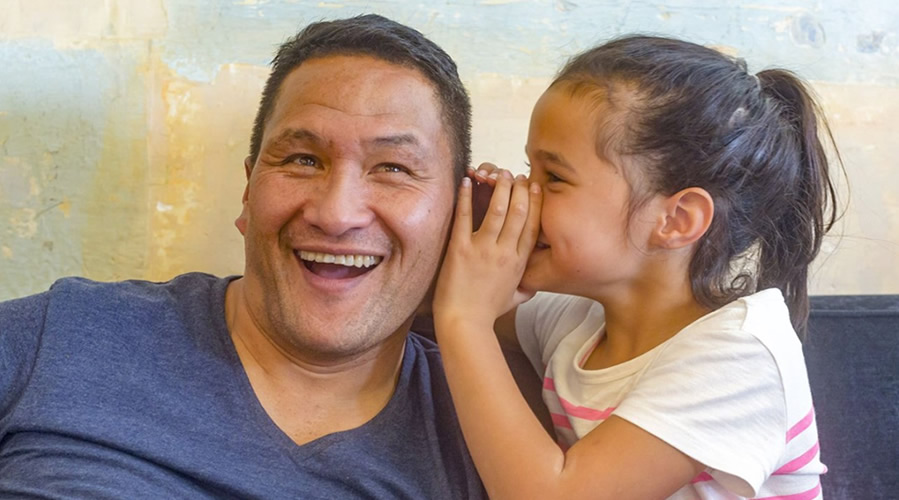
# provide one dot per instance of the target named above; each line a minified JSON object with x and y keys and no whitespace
{"x":340,"y":204}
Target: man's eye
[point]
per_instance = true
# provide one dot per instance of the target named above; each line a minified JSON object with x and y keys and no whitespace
{"x":392,"y":168}
{"x":303,"y":160}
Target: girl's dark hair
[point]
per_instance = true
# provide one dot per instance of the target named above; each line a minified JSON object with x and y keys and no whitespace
{"x":690,"y":116}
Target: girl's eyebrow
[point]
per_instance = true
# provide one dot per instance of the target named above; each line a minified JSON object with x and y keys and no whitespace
{"x":554,"y":158}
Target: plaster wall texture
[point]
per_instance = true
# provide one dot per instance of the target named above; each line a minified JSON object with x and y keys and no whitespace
{"x":124,"y":123}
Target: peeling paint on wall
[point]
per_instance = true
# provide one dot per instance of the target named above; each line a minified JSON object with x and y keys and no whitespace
{"x":124,"y":123}
{"x":807,"y":31}
{"x":869,"y":43}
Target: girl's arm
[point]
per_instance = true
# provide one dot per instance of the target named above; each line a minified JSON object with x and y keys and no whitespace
{"x":515,"y":457}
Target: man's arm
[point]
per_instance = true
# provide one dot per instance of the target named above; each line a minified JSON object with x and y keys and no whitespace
{"x":21,"y":325}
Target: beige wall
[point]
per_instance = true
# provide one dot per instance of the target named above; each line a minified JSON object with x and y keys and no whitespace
{"x":124,"y":123}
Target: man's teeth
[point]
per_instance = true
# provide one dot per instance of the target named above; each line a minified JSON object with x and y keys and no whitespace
{"x":344,"y":260}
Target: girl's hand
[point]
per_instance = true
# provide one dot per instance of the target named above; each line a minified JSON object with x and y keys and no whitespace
{"x":481,"y":271}
{"x":483,"y":182}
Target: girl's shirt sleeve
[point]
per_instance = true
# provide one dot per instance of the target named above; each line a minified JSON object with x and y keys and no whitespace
{"x":542,"y":322}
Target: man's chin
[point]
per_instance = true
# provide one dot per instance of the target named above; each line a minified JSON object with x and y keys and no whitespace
{"x":331,"y":344}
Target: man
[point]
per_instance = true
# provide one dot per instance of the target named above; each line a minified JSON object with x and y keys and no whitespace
{"x":297,"y":380}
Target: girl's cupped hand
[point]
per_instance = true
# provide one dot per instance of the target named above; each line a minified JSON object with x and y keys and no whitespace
{"x":480,"y":277}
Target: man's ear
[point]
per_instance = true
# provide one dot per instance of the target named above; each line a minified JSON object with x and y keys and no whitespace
{"x":248,"y":167}
{"x":687,"y":216}
{"x":241,"y":221}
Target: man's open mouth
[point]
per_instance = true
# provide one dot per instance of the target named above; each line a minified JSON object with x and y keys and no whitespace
{"x":334,"y":266}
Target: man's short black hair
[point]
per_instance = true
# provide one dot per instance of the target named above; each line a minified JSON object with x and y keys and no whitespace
{"x":379,"y":37}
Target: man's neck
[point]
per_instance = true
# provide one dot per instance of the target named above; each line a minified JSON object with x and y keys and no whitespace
{"x":309,"y":396}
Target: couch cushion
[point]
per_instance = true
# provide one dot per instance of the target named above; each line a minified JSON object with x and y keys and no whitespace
{"x":852,"y":353}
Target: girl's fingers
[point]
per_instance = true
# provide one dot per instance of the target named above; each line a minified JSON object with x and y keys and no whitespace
{"x":499,"y":206}
{"x":462,"y":224}
{"x":532,"y":224}
{"x":487,"y":173}
{"x":518,"y":213}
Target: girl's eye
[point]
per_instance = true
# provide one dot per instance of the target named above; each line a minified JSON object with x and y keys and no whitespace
{"x":551,"y":177}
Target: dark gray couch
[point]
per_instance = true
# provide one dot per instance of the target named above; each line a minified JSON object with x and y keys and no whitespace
{"x":852,"y":354}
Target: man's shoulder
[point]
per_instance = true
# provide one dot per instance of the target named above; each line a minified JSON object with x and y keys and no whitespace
{"x":76,"y":284}
{"x":97,"y":293}
{"x":423,"y":343}
{"x":86,"y":301}
{"x":424,"y":368}
{"x":427,"y":359}
{"x":23,"y":306}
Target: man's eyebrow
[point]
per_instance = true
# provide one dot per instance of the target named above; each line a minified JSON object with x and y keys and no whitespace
{"x":306,"y":135}
{"x":298,"y":134}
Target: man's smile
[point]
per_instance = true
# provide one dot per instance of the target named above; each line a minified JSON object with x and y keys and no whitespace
{"x":338,"y":266}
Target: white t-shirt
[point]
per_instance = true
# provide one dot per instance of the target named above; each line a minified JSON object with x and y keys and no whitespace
{"x":730,"y":390}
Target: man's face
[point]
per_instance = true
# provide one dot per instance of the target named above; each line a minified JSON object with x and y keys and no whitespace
{"x":347,"y":208}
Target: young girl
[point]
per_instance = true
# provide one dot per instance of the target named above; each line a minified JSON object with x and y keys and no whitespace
{"x":676,"y":201}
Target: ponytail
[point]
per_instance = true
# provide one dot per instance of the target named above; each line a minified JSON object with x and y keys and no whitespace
{"x":696,"y":117}
{"x":793,"y":236}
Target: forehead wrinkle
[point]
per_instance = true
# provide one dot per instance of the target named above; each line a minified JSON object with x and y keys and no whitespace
{"x":394,"y":140}
{"x":359,"y":108}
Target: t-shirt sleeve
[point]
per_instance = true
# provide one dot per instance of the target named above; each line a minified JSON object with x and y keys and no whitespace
{"x":718,"y":397}
{"x":543,"y":321}
{"x":21,"y":324}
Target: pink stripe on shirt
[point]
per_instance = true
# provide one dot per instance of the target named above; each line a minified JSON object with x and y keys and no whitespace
{"x":799,"y":462}
{"x":560,"y":420}
{"x":549,"y":384}
{"x":702,"y":477}
{"x":584,"y":412}
{"x":801,"y":425}
{"x":573,"y":410}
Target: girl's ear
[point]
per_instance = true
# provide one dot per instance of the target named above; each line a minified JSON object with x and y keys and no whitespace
{"x":687,"y":216}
